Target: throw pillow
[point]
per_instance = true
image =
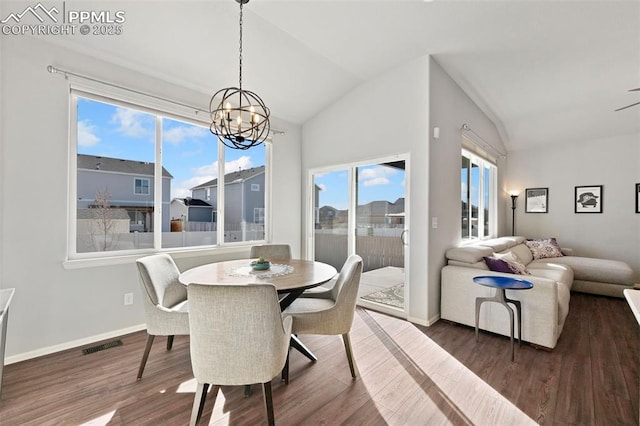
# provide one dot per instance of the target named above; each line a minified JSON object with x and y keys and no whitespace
{"x":514,"y":263}
{"x":544,"y":248}
{"x":497,"y":265}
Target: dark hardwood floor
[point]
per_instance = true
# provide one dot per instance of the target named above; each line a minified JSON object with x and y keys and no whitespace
{"x":410,"y":375}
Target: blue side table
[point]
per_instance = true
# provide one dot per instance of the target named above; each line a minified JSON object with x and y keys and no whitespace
{"x":501,"y":284}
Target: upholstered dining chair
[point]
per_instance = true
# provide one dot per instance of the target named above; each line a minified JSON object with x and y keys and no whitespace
{"x":271,"y":251}
{"x":238,"y":337}
{"x":164,"y":300}
{"x":330,"y":312}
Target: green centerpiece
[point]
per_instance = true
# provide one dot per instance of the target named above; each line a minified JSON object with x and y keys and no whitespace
{"x":261,"y":264}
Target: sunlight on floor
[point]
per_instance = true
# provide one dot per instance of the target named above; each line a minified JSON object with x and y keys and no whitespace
{"x":220,"y":415}
{"x":100,"y":421}
{"x":443,"y":388}
{"x":188,"y":387}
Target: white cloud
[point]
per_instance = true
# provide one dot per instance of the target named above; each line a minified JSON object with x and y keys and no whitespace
{"x":132,"y":123}
{"x":377,"y":181}
{"x":177,"y":135}
{"x":86,"y":134}
{"x":376,"y":176}
{"x":241,"y":163}
{"x":183,"y":189}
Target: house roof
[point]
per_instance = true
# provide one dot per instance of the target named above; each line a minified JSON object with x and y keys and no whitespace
{"x":240,"y":175}
{"x":195,"y":202}
{"x":118,"y":165}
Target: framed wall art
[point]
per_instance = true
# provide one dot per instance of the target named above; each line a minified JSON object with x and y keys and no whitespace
{"x":588,"y":199}
{"x":536,"y":200}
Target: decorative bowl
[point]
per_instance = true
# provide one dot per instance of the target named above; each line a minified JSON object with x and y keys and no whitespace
{"x":260,"y":266}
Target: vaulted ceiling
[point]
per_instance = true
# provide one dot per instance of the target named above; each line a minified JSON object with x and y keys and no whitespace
{"x":544,"y":71}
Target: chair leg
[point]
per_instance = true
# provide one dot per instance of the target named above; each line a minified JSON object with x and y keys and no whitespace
{"x":268,"y":402}
{"x":352,"y":361}
{"x":247,"y":391}
{"x":170,"y":342}
{"x":198,"y":402}
{"x":285,"y":371}
{"x":145,"y":355}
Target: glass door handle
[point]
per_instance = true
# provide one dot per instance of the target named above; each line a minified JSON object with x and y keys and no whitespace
{"x":403,"y":238}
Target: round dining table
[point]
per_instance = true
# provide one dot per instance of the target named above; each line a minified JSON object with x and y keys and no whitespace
{"x":290,"y":277}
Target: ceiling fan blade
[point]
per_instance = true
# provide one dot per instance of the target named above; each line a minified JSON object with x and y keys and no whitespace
{"x":634,"y":90}
{"x":628,"y":106}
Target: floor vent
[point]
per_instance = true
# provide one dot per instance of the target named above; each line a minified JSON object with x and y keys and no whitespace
{"x":102,"y":347}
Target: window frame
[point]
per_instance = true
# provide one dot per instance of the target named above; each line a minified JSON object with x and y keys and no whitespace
{"x":483,"y":164}
{"x":142,"y":186}
{"x":160,"y":109}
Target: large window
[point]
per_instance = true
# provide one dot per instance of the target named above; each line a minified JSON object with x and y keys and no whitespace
{"x":147,"y":179}
{"x":478,"y":196}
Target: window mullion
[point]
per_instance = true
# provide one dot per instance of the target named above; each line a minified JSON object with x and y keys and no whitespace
{"x":157,"y":188}
{"x":220,"y":195}
{"x":73,"y":177}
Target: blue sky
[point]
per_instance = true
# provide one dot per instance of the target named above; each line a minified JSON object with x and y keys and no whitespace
{"x":375,"y":182}
{"x":190,"y":152}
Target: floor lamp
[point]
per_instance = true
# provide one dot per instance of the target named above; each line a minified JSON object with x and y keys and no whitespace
{"x":514,"y":197}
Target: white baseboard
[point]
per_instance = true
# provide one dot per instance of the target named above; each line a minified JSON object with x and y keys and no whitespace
{"x":421,"y":321}
{"x":72,"y":344}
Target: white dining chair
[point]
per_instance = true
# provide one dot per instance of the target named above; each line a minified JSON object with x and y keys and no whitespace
{"x":238,"y":337}
{"x":271,"y":251}
{"x":330,"y":312}
{"x":164,"y":300}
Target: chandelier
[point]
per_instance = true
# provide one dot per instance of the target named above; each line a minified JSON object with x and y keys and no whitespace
{"x":241,"y":119}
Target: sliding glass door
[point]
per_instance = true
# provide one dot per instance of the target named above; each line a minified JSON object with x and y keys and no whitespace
{"x":362,"y":209}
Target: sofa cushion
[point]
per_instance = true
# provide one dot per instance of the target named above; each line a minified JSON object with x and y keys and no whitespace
{"x":544,"y":249}
{"x":478,"y":265}
{"x":554,"y":271}
{"x":522,"y":252}
{"x":469,"y":254}
{"x":497,"y":265}
{"x":592,"y":269}
{"x":515,"y":265}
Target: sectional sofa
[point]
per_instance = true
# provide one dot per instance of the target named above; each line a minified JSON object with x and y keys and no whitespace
{"x":545,"y":306}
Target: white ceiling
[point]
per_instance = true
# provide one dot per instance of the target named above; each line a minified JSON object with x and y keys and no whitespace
{"x":544,"y":71}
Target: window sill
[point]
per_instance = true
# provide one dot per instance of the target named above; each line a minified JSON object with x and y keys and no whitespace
{"x":222,"y":253}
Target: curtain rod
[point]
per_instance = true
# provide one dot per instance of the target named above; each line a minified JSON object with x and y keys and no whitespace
{"x":481,"y":142}
{"x":66,"y":73}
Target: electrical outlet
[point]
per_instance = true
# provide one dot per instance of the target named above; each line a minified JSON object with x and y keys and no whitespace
{"x":128,"y":299}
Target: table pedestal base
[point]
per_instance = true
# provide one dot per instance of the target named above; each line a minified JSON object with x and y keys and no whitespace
{"x":501,"y":297}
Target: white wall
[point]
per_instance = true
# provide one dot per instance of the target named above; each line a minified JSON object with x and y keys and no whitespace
{"x":54,"y":306}
{"x":449,"y":109}
{"x":385,"y":116}
{"x":613,"y":162}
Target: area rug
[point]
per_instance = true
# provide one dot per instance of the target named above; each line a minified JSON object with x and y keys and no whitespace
{"x":393,"y":296}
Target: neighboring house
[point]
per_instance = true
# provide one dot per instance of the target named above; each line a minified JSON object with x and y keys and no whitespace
{"x":243,"y":196}
{"x":380,"y":212}
{"x":330,"y":217}
{"x":129,"y":185}
{"x":192,"y":210}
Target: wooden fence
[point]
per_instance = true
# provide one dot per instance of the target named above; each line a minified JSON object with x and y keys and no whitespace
{"x":376,"y":251}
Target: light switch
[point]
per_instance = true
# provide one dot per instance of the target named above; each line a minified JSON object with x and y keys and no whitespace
{"x":434,"y":222}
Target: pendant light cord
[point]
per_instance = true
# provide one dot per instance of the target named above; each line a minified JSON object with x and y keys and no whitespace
{"x":240,"y":76}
